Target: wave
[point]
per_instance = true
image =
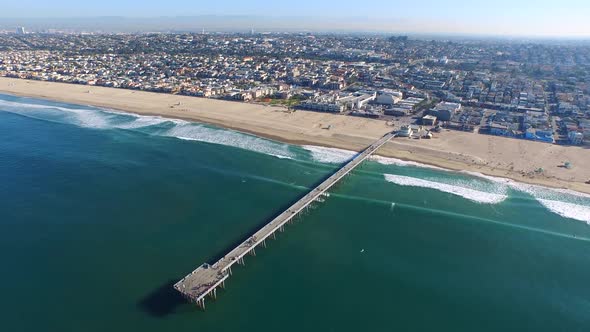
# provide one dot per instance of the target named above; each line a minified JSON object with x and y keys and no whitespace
{"x":402,"y":163}
{"x":191,"y":131}
{"x":82,"y":117}
{"x":132,"y":121}
{"x":109,"y":119}
{"x":463,"y":189}
{"x":568,"y":210}
{"x":201,"y":133}
{"x":329,"y":155}
{"x":564,"y":202}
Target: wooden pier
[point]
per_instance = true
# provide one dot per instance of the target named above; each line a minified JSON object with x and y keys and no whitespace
{"x":205,"y":280}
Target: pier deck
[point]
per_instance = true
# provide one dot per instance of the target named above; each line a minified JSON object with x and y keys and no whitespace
{"x":206,"y":278}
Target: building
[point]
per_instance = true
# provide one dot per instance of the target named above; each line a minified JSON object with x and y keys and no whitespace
{"x":499,"y":130}
{"x":388,"y":98}
{"x":405,"y":131}
{"x":429,"y":120}
{"x":539,"y":135}
{"x":398,"y":111}
{"x":575,"y":138}
{"x":356,"y":101}
{"x":322,"y":106}
{"x":334,"y":86}
{"x":445,"y":111}
{"x":20,"y":31}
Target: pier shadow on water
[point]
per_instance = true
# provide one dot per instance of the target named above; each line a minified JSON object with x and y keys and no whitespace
{"x":165,"y":300}
{"x":219,"y":254}
{"x":162,"y":301}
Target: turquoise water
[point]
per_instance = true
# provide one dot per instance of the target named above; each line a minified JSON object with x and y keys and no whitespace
{"x":100,"y":212}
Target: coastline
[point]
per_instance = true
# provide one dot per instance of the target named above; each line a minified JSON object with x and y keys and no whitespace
{"x":500,"y":157}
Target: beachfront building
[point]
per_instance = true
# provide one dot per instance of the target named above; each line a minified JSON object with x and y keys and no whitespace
{"x":500,"y":130}
{"x":404,"y":107}
{"x":322,"y":107}
{"x":445,"y":111}
{"x":539,"y":135}
{"x":575,"y":138}
{"x":388,"y":97}
{"x":405,"y":131}
{"x":356,"y":101}
{"x":429,"y":120}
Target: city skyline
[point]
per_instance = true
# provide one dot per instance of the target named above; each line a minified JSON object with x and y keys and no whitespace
{"x":503,"y":18}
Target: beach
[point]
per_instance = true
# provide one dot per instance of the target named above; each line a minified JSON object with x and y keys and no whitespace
{"x":515,"y":159}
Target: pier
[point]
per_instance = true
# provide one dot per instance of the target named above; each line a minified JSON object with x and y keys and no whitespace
{"x":207,"y":278}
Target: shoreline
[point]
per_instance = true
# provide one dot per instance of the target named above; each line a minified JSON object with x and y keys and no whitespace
{"x":499,"y":157}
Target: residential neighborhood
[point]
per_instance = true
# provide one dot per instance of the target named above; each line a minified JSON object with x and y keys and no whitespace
{"x":528,"y":90}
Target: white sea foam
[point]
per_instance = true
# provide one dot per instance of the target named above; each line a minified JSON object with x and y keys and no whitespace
{"x":109,"y":119}
{"x":329,"y":155}
{"x":568,"y":210}
{"x":399,"y":162}
{"x":564,"y":202}
{"x":567,"y":203}
{"x":459,"y":189}
{"x":27,"y":106}
{"x":201,"y":133}
{"x":81,"y":117}
{"x":141,"y":122}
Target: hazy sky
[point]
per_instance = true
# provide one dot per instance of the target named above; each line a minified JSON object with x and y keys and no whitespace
{"x":517,"y":17}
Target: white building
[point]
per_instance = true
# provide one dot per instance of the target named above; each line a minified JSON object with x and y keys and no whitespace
{"x":388,"y":98}
{"x":405,"y":131}
{"x":445,"y":110}
{"x":356,"y":101}
{"x":322,"y":107}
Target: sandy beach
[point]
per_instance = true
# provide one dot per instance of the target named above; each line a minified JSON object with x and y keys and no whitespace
{"x":490,"y":155}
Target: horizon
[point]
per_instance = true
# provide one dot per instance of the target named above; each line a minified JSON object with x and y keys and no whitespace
{"x":527,"y":18}
{"x":213,"y":23}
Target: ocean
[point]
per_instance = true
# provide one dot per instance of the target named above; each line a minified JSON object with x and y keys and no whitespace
{"x":102,"y":211}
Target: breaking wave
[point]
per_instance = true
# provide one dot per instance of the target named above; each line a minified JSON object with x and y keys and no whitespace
{"x":402,"y":163}
{"x":329,"y":155}
{"x":470,"y":190}
{"x":201,"y":133}
{"x":566,"y":203}
{"x":81,"y":117}
{"x":107,"y":119}
{"x":568,"y":210}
